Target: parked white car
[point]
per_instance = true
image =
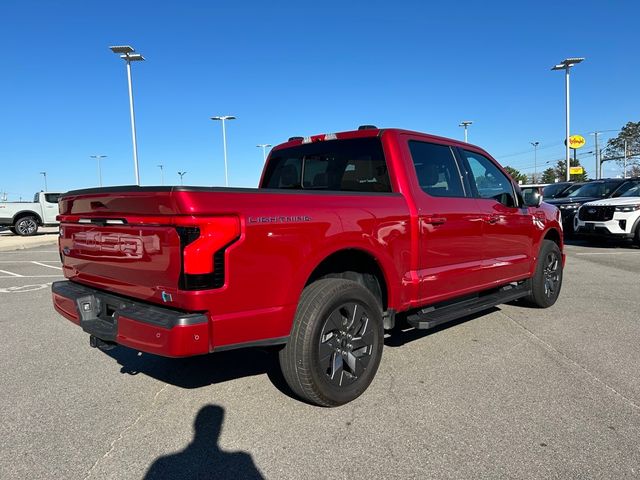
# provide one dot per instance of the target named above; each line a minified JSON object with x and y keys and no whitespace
{"x":24,"y":218}
{"x":617,"y":217}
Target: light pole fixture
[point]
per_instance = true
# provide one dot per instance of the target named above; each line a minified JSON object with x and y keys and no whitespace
{"x":566,"y":65}
{"x":465,"y":124}
{"x":181,"y":175}
{"x":223,"y":118}
{"x":44,"y":174}
{"x":99,"y":157}
{"x":126,"y":52}
{"x":535,"y":160}
{"x":264,"y":147}
{"x":161,"y":167}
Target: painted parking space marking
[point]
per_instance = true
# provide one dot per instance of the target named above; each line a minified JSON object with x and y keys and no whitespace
{"x":31,"y":276}
{"x":45,"y":265}
{"x":10,"y":274}
{"x":25,"y":288}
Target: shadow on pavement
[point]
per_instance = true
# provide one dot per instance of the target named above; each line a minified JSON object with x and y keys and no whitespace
{"x":203,"y":458}
{"x":600,"y":242}
{"x":403,"y":333}
{"x":196,"y":372}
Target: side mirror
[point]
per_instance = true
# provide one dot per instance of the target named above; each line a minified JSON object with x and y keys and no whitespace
{"x":532,"y":197}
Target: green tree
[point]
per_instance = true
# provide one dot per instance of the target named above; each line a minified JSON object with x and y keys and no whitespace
{"x":516,"y":175}
{"x":549,"y":175}
{"x":561,"y":171}
{"x":615,"y":146}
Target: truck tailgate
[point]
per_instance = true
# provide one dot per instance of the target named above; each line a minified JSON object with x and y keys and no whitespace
{"x":135,"y":260}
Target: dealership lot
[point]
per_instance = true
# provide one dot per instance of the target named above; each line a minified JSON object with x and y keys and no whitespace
{"x":513,"y":392}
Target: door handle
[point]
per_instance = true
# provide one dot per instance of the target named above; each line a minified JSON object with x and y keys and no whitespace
{"x":435,"y":220}
{"x":492,"y":219}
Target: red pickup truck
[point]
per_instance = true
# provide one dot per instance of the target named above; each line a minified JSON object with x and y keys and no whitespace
{"x":346,"y":234}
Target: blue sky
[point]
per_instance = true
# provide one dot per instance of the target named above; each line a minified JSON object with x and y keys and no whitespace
{"x":298,"y":68}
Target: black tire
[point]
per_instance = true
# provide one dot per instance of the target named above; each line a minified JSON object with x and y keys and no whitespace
{"x":636,"y":237}
{"x":336,"y":342}
{"x":26,"y":226}
{"x":547,"y":279}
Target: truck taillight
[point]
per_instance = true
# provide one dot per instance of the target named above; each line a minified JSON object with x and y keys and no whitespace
{"x":203,"y":251}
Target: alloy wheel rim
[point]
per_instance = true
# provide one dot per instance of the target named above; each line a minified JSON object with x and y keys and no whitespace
{"x":551,"y":274}
{"x":346,"y":344}
{"x":27,"y":226}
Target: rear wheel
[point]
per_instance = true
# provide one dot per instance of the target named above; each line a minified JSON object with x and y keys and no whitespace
{"x":547,"y":279}
{"x":336,"y":342}
{"x":26,"y":226}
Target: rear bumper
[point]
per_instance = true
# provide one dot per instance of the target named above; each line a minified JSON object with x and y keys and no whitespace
{"x":134,"y":324}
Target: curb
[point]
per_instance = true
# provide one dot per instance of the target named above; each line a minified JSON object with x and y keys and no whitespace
{"x":52,"y":240}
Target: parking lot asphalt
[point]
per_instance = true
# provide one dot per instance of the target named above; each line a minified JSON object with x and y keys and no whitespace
{"x":511,"y":393}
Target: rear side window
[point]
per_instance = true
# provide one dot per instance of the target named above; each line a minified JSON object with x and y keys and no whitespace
{"x":356,"y":165}
{"x":51,"y":197}
{"x":436,"y":169}
{"x":489,"y":181}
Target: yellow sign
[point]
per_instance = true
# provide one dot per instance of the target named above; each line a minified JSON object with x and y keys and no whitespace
{"x":576,"y":141}
{"x":576,"y":170}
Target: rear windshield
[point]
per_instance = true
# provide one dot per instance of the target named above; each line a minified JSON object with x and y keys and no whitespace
{"x":554,"y":190}
{"x":355,"y":165}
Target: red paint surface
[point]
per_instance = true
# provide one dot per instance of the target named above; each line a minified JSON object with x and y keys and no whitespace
{"x":268,"y":265}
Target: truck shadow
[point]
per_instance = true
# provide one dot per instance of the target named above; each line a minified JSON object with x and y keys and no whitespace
{"x":200,"y":371}
{"x":202,"y":458}
{"x":403,"y":334}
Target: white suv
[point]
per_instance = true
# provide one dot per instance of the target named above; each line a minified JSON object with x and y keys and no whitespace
{"x":617,"y":217}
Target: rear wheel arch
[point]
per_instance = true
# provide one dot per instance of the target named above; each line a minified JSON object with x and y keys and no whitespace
{"x":357,"y":265}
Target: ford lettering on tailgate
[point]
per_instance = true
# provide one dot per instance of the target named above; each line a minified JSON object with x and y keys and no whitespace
{"x":120,"y":245}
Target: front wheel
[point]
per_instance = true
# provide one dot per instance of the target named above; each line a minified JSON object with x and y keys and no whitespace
{"x":336,"y":342}
{"x":26,"y":226}
{"x":547,"y":279}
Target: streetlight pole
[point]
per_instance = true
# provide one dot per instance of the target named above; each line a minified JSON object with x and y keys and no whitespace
{"x":44,"y":174}
{"x":181,"y":175}
{"x":223,"y":118}
{"x":127,"y":54}
{"x":566,"y":65}
{"x":264,"y":150}
{"x":99,"y":157}
{"x":535,"y":160}
{"x":465,"y":124}
{"x":161,"y":174}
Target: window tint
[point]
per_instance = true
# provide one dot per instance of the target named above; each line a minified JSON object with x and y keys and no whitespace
{"x":339,"y":165}
{"x":436,"y":169}
{"x":595,"y":189}
{"x":634,"y":191}
{"x":488,"y":180}
{"x":554,"y":190}
{"x":51,"y":197}
{"x":624,"y":188}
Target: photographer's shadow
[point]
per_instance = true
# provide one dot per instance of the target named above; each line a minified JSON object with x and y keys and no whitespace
{"x":203,"y":459}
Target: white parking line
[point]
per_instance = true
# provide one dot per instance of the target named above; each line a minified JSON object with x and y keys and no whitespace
{"x":11,"y":274}
{"x":45,"y":265}
{"x":607,"y":253}
{"x":28,"y":261}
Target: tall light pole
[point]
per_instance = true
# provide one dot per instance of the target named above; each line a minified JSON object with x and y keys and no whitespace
{"x":126,"y":52}
{"x":223,"y":118}
{"x":535,"y":160}
{"x":181,"y":175}
{"x":264,"y":150}
{"x":566,"y":65}
{"x":44,"y":174}
{"x":99,"y":157}
{"x":161,"y":174}
{"x":465,"y":124}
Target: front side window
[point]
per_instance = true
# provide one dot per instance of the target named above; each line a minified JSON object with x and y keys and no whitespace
{"x":356,"y":165}
{"x":489,"y":181}
{"x":436,"y":169}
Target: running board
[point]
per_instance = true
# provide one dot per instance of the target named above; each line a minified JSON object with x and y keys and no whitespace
{"x":433,"y":316}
